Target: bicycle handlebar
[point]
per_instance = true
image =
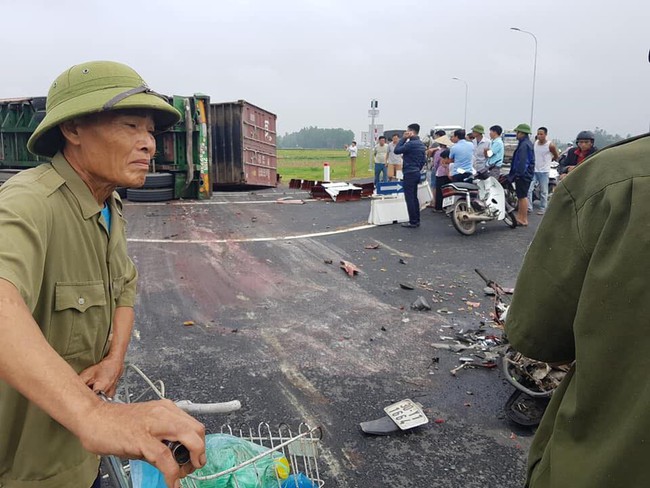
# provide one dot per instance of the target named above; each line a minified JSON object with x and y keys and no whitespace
{"x":208,"y":408}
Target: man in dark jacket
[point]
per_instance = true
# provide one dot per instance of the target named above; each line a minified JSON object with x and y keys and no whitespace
{"x":575,"y":156}
{"x":413,"y":153}
{"x":523,"y":170}
{"x":582,"y":295}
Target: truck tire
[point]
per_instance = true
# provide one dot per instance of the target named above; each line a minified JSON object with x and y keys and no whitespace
{"x":150,"y":195}
{"x":159,"y":180}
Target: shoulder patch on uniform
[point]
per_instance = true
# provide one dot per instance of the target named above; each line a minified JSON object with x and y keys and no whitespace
{"x":42,"y":179}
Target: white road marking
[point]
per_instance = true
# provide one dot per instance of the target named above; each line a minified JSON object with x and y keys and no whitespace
{"x":252,"y":239}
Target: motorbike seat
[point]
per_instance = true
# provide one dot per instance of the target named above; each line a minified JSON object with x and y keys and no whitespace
{"x":463,"y":186}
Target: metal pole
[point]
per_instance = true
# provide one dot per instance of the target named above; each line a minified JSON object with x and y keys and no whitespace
{"x":532,"y":103}
{"x":371,"y":136}
{"x":466,"y":95}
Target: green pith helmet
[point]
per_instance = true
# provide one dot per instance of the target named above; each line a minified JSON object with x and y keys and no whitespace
{"x":96,"y":86}
{"x":478,"y":128}
{"x":525,"y":128}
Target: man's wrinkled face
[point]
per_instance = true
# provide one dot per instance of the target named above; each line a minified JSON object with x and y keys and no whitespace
{"x":117,"y":147}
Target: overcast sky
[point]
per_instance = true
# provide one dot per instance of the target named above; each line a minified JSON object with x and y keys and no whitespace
{"x":319,"y":62}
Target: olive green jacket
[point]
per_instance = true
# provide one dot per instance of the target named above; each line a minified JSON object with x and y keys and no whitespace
{"x":583,"y":294}
{"x":55,"y":248}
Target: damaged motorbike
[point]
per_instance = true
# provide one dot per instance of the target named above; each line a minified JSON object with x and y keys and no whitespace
{"x":534,"y":381}
{"x":468,"y":203}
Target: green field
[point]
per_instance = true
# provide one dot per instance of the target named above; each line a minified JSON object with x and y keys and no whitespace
{"x":307,"y":164}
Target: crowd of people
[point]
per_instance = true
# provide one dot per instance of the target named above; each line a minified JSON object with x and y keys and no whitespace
{"x":466,"y":154}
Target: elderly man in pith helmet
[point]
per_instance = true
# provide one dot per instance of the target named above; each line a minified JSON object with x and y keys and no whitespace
{"x":67,"y":289}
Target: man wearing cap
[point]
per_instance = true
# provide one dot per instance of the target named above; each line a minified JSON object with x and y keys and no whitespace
{"x":481,"y":146}
{"x":67,"y":289}
{"x":522,"y":171}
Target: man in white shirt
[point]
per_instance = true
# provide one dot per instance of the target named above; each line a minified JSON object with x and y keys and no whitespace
{"x":352,"y":150}
{"x":545,"y":153}
{"x":481,"y":146}
{"x":381,"y":161}
{"x":394,"y":160}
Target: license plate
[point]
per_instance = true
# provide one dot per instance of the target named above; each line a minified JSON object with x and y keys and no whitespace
{"x":448,"y":201}
{"x":406,"y":414}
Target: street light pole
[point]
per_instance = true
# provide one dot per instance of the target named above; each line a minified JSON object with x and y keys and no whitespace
{"x":466,"y":93}
{"x":532,"y":103}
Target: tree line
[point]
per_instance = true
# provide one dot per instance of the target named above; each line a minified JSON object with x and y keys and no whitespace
{"x":316,"y":138}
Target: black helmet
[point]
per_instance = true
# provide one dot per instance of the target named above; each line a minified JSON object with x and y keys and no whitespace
{"x":585,"y":134}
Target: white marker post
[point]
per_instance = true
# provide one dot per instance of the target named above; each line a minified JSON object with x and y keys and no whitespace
{"x":326,"y":172}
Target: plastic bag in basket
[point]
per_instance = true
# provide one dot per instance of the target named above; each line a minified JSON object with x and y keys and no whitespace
{"x":226,"y":451}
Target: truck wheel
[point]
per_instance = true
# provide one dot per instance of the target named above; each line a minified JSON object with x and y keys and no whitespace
{"x":153,"y":195}
{"x":465,"y":227}
{"x":159,"y":180}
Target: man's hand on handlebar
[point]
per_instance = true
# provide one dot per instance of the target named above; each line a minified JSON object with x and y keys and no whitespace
{"x":136,"y":431}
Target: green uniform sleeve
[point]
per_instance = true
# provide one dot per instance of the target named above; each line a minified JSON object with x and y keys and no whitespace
{"x":127,"y":297}
{"x":540,"y":320}
{"x":24,"y":220}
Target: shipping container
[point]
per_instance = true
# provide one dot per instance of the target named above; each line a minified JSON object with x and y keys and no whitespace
{"x":243,"y":145}
{"x":19,"y":117}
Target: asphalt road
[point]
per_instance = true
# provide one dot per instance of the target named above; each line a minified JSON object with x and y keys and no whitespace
{"x":296,"y":339}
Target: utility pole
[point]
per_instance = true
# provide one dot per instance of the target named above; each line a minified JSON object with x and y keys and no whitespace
{"x":372,"y":113}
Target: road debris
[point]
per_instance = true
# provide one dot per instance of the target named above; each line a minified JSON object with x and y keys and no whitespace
{"x":290,"y":201}
{"x":421,"y":305}
{"x":188,"y":323}
{"x":349,"y":268}
{"x":328,"y":261}
{"x":401,"y":416}
{"x":444,"y":311}
{"x":406,"y":286}
{"x":401,"y":261}
{"x":372,"y":246}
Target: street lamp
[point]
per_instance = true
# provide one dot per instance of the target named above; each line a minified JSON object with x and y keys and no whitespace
{"x":466,"y":92}
{"x":532,"y":103}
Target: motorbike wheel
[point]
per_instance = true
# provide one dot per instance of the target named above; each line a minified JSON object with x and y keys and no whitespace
{"x":511,"y":198}
{"x":465,"y":227}
{"x":510,"y":220}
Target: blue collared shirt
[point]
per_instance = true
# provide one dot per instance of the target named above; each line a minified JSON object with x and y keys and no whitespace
{"x":497,"y":148}
{"x":462,"y":153}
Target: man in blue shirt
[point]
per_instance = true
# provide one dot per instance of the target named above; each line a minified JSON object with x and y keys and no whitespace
{"x":461,"y":155}
{"x":413,"y":153}
{"x":523,"y":170}
{"x":496,"y":152}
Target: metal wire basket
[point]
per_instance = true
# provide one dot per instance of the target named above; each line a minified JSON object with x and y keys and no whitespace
{"x":299,"y":448}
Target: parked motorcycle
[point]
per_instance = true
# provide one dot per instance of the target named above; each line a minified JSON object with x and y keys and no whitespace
{"x":468,"y":203}
{"x":511,"y":194}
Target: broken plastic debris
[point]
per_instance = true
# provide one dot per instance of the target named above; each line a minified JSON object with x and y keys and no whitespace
{"x":328,"y":261}
{"x":188,"y":322}
{"x":349,"y":268}
{"x":444,"y":311}
{"x":401,"y":261}
{"x":421,"y":304}
{"x":372,"y":246}
{"x":473,"y":304}
{"x":406,"y":286}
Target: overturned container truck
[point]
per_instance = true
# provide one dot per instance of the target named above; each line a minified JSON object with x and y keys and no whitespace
{"x":213,"y":146}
